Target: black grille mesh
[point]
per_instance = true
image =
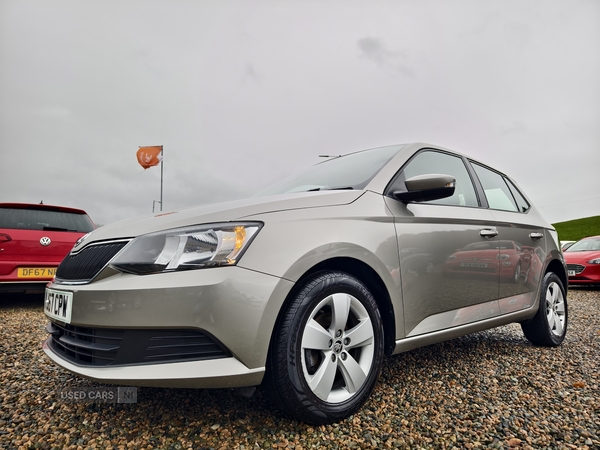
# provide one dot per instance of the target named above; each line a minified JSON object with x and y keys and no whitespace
{"x":85,"y":346}
{"x":578,"y":268}
{"x":89,"y":346}
{"x":86,"y":264}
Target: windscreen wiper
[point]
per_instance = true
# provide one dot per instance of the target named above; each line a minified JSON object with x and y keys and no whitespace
{"x":347,"y":188}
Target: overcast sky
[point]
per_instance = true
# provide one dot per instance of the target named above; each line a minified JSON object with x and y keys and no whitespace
{"x":244,"y":93}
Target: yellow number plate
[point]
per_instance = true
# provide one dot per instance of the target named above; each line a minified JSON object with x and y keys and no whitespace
{"x":36,"y":272}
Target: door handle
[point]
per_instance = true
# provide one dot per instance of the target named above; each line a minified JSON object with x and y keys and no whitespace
{"x":488,"y":232}
{"x":535,"y":235}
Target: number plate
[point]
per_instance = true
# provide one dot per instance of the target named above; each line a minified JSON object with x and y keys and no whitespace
{"x":571,"y":273}
{"x":58,"y":305}
{"x":36,"y":272}
{"x":474,"y":264}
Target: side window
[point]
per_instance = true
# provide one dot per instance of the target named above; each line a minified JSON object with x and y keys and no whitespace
{"x":522,"y":204}
{"x":436,"y":162}
{"x":496,"y":190}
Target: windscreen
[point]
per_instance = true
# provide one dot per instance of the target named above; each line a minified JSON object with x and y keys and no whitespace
{"x":352,"y":171}
{"x":585,"y":245}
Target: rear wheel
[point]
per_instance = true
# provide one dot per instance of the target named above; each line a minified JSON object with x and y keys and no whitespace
{"x":327,"y":352}
{"x":549,"y":326}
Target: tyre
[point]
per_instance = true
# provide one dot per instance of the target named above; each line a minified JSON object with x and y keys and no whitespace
{"x":526,"y":276}
{"x":549,"y":326}
{"x":517,"y":274}
{"x":327,"y":351}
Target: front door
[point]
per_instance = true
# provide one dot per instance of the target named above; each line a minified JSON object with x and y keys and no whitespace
{"x":448,"y":251}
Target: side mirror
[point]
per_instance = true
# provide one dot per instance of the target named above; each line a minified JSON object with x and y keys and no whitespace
{"x":422,"y":188}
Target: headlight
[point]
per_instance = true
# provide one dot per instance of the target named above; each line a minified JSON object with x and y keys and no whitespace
{"x":594,"y":261}
{"x":186,"y":248}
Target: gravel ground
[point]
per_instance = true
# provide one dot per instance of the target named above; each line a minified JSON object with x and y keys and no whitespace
{"x":488,"y":390}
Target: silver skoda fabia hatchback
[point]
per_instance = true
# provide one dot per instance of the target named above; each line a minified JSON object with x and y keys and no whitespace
{"x":305,"y":287}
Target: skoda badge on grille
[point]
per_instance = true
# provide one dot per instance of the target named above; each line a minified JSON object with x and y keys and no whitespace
{"x":80,"y":240}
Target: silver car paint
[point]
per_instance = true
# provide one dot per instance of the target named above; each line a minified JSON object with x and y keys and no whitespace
{"x":435,"y":231}
{"x":247,"y":297}
{"x":202,"y":299}
{"x":217,"y":212}
{"x":239,"y":305}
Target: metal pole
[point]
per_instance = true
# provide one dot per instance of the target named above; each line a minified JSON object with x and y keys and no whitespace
{"x":161,"y":176}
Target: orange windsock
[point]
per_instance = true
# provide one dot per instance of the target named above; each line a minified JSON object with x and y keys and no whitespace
{"x":149,"y":156}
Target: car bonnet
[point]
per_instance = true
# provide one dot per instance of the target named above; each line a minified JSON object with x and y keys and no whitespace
{"x":218,"y":212}
{"x":581,"y":257}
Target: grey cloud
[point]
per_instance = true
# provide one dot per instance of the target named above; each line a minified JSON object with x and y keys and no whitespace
{"x":512,"y":127}
{"x":250,"y":74}
{"x":374,"y":50}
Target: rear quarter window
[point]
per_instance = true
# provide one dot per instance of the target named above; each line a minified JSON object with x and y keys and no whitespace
{"x":498,"y":192}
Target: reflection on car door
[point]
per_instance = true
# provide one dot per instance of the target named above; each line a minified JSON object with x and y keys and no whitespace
{"x":522,"y":259}
{"x":521,"y":267}
{"x":429,"y":234}
{"x":435,"y":297}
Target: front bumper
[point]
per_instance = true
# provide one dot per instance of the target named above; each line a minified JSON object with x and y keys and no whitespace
{"x":586,"y":274}
{"x":585,"y":281}
{"x":221,"y":373}
{"x":235,"y":307}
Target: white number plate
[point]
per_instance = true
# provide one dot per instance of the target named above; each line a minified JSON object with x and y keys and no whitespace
{"x":58,"y":305}
{"x":571,"y":273}
{"x":474,"y":264}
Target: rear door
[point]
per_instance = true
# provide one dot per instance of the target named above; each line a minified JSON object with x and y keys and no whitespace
{"x":524,"y":242}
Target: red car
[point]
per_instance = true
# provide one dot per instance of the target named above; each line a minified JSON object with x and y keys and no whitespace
{"x":34,"y":239}
{"x":505,"y":258}
{"x":583,"y":261}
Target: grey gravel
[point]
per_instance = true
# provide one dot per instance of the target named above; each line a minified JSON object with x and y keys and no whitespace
{"x":488,"y":390}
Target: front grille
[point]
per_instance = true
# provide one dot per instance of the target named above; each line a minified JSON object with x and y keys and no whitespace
{"x":86,"y":264}
{"x":578,"y":268}
{"x":88,"y":346}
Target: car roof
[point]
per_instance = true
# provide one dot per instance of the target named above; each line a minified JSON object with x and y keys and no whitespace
{"x":41,"y":206}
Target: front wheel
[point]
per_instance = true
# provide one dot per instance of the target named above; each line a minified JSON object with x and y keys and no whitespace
{"x":549,"y":326}
{"x":327,"y":352}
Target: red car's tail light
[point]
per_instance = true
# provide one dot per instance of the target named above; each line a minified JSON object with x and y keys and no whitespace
{"x":5,"y":238}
